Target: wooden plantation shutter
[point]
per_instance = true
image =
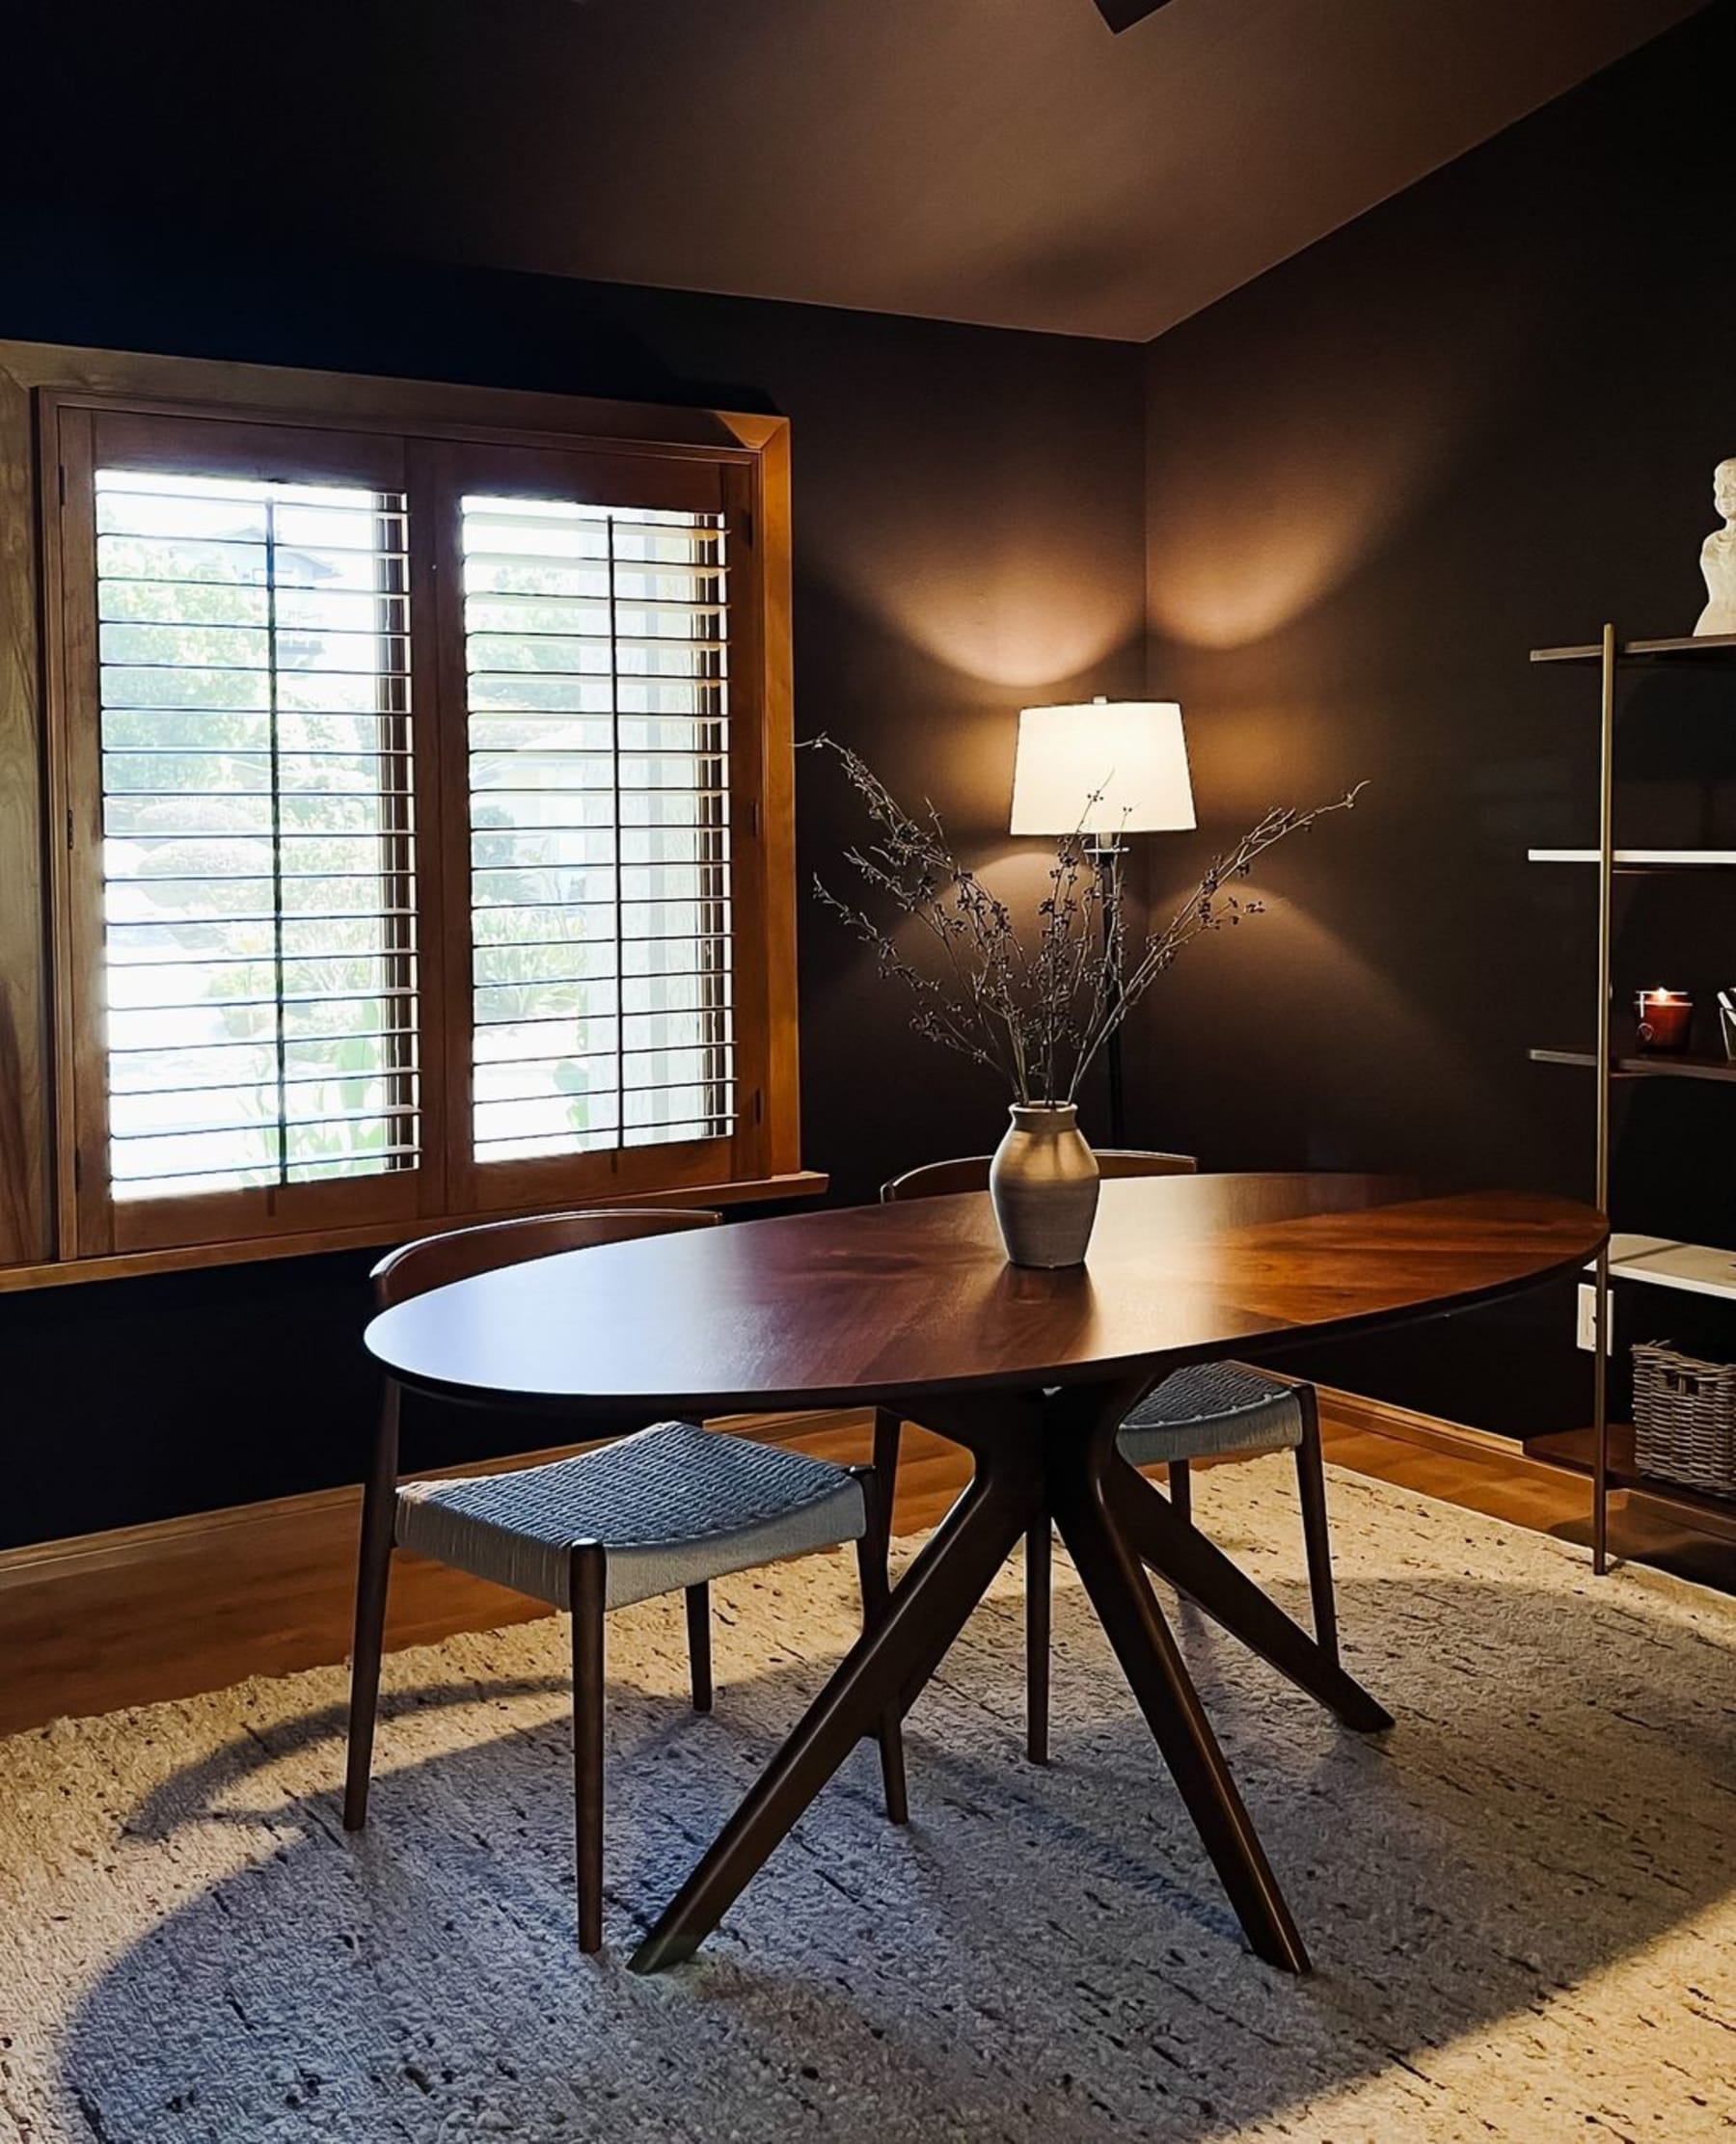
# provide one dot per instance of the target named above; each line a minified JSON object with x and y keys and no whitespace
{"x":244,"y":900}
{"x":587,"y":633}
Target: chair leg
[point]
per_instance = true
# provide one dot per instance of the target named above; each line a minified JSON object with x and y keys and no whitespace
{"x":1037,"y":1639}
{"x":373,"y":1574}
{"x":1311,"y":1487}
{"x":877,"y":1592}
{"x":700,"y":1657}
{"x":588,"y":1586}
{"x":1181,"y":1490}
{"x":888,"y":1428}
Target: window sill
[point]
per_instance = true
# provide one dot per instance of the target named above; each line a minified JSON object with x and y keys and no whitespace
{"x":799,"y":1183}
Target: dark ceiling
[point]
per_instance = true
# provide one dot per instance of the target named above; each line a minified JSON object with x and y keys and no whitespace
{"x":1004,"y":161}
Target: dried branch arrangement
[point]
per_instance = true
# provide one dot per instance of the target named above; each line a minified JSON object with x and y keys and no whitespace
{"x":1034,"y":1006}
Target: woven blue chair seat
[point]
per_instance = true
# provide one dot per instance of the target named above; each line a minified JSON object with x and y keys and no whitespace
{"x":1210,"y":1408}
{"x":673,"y":1506}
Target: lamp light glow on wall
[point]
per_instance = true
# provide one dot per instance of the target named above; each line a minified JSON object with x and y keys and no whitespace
{"x":1105,"y":768}
{"x":1109,"y":767}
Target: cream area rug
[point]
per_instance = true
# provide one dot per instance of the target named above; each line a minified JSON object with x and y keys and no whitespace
{"x":1521,"y":1903}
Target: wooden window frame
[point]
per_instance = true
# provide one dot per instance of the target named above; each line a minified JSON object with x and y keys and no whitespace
{"x":47,"y":1233}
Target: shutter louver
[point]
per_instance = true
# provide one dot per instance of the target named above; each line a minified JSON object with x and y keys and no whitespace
{"x":596,"y":665}
{"x":257,"y":874}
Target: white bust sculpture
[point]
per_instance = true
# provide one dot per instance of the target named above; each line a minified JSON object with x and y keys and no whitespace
{"x":1718,"y":557}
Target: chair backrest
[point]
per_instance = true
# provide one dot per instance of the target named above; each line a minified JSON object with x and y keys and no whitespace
{"x":939,"y":1179}
{"x":459,"y":1253}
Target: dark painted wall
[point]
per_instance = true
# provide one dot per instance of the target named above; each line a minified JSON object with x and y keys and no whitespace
{"x":970,"y":536}
{"x":1483,"y":417}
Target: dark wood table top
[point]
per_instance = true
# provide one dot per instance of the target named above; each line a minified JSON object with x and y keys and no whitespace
{"x":843,"y":1307}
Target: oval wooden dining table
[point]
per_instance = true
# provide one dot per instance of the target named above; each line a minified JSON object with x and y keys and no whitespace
{"x":912,"y":1307}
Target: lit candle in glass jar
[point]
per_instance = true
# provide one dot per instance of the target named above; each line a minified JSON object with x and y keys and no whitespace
{"x":1665,"y":1020}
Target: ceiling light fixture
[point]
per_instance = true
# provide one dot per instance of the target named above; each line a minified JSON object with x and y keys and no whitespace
{"x":1123,"y":14}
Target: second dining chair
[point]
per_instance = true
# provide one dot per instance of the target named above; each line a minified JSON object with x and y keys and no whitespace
{"x":671,"y":1508}
{"x":1206,"y":1411}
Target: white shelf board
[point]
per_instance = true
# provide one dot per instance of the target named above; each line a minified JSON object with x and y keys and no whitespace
{"x":1651,"y":858}
{"x":1694,"y":1268}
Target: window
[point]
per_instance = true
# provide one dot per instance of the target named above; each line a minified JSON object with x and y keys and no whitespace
{"x":416,"y":820}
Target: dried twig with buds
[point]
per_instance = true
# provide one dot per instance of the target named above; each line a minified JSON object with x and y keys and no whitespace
{"x":1035,"y":1008}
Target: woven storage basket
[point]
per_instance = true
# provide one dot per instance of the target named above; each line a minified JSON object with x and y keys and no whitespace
{"x":1685,"y":1419}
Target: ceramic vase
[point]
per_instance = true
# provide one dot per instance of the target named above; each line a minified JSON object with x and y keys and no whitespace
{"x":1043,"y":1186}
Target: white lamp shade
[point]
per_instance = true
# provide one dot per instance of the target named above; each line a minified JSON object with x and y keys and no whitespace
{"x":1105,"y":768}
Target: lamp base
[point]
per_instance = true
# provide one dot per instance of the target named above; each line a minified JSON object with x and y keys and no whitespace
{"x":1107,"y":854}
{"x":1118,"y":1112}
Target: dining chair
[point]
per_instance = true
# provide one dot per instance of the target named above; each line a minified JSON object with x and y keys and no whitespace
{"x":1206,"y":1410}
{"x":672,"y":1507}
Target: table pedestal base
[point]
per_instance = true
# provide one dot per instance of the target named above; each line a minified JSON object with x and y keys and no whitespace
{"x":1051,"y":1454}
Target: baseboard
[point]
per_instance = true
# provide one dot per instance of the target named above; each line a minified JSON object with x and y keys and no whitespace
{"x":1381,"y":1418}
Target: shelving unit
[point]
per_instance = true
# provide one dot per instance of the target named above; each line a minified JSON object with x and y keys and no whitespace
{"x":1693,"y":1268}
{"x":1686,"y":1066}
{"x":1573,"y":1447}
{"x":1627,"y":860}
{"x":1714,"y":648}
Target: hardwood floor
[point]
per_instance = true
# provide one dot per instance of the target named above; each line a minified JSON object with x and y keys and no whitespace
{"x":112,"y":1621}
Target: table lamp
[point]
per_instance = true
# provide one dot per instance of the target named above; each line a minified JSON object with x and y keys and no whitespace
{"x":1106,"y":768}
